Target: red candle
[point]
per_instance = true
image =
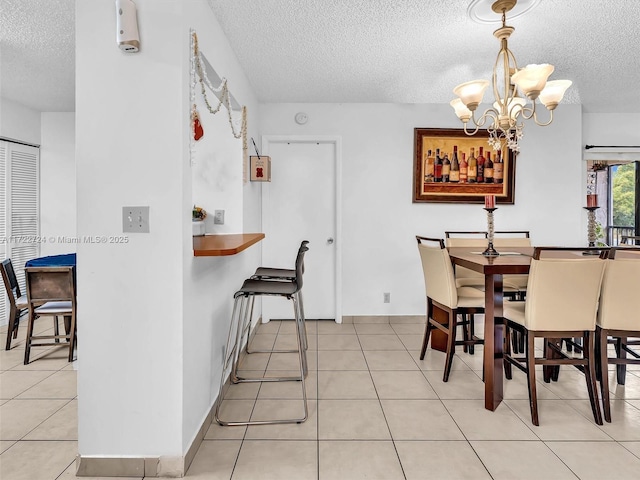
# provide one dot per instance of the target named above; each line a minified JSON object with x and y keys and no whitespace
{"x":489,"y":201}
{"x":592,"y":200}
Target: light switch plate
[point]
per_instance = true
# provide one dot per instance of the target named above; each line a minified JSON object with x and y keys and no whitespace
{"x":135,"y":219}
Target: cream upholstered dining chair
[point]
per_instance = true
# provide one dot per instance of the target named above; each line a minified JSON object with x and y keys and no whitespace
{"x":562,"y":301}
{"x":618,"y":316}
{"x":469,"y":278}
{"x":464,"y":276}
{"x":502,"y":241}
{"x":446,"y":300}
{"x":508,"y":239}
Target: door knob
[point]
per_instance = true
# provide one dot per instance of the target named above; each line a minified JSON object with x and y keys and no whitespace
{"x":329,"y":241}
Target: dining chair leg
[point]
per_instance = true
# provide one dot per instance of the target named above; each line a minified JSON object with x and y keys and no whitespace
{"x":451,"y":345}
{"x":602,"y":341}
{"x":27,"y":348}
{"x":531,"y":376}
{"x":465,"y":333}
{"x":588,"y":352}
{"x":472,"y":332}
{"x":508,"y":332}
{"x":12,"y":328}
{"x":514,"y":341}
{"x":621,"y":369}
{"x":427,"y":330}
{"x":56,"y":329}
{"x":551,"y":372}
{"x":72,"y":336}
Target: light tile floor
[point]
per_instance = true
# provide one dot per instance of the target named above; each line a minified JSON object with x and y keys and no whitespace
{"x":376,"y":412}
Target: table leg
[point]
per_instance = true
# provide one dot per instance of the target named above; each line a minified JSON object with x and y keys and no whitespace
{"x":493,"y":342}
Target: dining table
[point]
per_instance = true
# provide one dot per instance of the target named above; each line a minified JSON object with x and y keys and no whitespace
{"x":513,"y":260}
{"x":63,"y":260}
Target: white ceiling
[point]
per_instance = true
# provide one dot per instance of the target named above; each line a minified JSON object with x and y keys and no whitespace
{"x":399,"y":51}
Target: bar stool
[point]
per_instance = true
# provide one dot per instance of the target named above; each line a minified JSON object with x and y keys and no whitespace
{"x":279,"y":274}
{"x":243,"y":299}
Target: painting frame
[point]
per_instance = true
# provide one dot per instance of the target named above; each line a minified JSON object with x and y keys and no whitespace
{"x":445,"y":138}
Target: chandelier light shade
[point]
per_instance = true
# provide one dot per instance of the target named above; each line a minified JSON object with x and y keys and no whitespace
{"x":515,"y":92}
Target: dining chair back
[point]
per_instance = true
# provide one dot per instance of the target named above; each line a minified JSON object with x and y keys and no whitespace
{"x":512,"y":238}
{"x":17,"y":302}
{"x":439,"y":280}
{"x":465,"y":276}
{"x":562,"y":302}
{"x":618,"y":318}
{"x":51,"y":292}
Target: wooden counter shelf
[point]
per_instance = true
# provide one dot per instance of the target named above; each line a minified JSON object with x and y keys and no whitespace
{"x":224,"y":244}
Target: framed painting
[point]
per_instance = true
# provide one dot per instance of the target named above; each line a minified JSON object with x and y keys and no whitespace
{"x":448,"y":167}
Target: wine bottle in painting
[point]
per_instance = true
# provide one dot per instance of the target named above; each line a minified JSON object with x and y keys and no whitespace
{"x":481,"y":160}
{"x":488,"y":169}
{"x":454,"y":176}
{"x":473,"y":167}
{"x":498,"y":168}
{"x":428,"y":168}
{"x":437,"y":167}
{"x":464,"y":168}
{"x":446,"y":168}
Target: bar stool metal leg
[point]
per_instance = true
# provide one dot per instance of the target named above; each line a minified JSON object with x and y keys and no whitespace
{"x":301,"y":378}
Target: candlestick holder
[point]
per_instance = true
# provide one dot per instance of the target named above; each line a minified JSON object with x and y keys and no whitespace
{"x":490,"y":251}
{"x":591,"y":230}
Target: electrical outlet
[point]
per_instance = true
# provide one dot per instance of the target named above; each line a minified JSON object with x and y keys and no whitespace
{"x":135,"y":219}
{"x":387,"y":297}
{"x":218,"y":217}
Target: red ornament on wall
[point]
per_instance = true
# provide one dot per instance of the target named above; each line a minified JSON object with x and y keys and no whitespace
{"x":198,"y":131}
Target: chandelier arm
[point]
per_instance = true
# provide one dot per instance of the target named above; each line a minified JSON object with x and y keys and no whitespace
{"x":479,"y":122}
{"x":528,"y":112}
{"x":535,"y":119}
{"x":467,"y":132}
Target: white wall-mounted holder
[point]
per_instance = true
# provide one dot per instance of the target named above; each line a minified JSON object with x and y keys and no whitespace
{"x":127,"y":35}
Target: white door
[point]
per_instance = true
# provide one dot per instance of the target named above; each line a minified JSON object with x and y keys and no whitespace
{"x":300,"y":204}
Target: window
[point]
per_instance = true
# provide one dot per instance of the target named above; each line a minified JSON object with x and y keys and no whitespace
{"x":19,"y":208}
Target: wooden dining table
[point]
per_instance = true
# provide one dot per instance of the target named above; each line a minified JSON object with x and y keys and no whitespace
{"x":513,"y":260}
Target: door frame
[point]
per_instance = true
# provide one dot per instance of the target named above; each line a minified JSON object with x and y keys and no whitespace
{"x":336,"y":141}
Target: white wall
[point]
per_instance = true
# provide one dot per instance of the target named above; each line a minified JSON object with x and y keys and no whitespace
{"x":159,"y":316}
{"x":379,"y":219}
{"x":130,"y":150}
{"x":611,"y":128}
{"x":18,"y":122}
{"x":209,"y":282}
{"x":58,"y":183}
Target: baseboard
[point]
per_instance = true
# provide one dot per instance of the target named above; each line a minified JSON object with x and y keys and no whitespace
{"x":163,"y":466}
{"x":383,"y":319}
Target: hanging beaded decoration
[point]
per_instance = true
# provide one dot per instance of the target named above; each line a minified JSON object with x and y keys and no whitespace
{"x":199,"y":74}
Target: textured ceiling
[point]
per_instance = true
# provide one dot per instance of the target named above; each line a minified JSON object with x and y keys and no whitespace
{"x":416,"y":51}
{"x":402,"y":51}
{"x":37,"y":53}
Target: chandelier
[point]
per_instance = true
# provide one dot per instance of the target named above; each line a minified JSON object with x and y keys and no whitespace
{"x":515,"y":91}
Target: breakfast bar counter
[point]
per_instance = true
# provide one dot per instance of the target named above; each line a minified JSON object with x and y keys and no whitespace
{"x":217,"y":245}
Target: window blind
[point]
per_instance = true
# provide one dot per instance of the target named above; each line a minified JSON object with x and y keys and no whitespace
{"x":19,"y":209}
